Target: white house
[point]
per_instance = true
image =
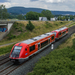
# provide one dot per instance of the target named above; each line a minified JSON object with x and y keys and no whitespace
{"x":42,"y":19}
{"x":53,"y":19}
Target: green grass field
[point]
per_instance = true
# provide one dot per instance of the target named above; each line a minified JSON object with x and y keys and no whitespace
{"x":19,"y":32}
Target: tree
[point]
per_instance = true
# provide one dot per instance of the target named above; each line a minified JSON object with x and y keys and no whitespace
{"x":30,"y":26}
{"x":3,"y":12}
{"x":20,"y":17}
{"x":32,"y":16}
{"x":47,"y":14}
{"x":71,"y":17}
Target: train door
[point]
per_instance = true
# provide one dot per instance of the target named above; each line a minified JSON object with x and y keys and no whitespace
{"x":27,"y":51}
{"x":60,"y":34}
{"x":52,"y":38}
{"x":48,"y":40}
{"x":38,"y":46}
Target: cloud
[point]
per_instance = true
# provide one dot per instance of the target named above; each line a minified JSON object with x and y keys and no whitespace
{"x":58,"y":5}
{"x":50,"y":1}
{"x":34,"y":0}
{"x":2,"y":1}
{"x":53,"y":1}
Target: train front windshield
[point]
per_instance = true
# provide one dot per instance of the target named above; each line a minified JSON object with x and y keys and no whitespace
{"x":16,"y":51}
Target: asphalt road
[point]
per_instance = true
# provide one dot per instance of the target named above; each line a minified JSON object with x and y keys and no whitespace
{"x":28,"y":66}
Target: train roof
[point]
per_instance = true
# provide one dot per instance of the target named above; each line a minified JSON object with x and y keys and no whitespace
{"x":28,"y":41}
{"x":60,"y":29}
{"x":49,"y":33}
{"x":39,"y":37}
{"x":36,"y":38}
{"x":42,"y":36}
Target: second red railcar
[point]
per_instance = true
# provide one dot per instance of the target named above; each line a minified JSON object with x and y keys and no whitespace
{"x":60,"y":32}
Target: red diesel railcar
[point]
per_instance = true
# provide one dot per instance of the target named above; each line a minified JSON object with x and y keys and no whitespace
{"x":60,"y":32}
{"x":27,"y":48}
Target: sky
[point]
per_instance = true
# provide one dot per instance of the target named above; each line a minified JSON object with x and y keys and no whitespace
{"x":55,"y":5}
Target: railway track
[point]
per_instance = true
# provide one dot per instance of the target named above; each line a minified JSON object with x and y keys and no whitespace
{"x":4,"y":61}
{"x":4,"y":57}
{"x":7,"y":67}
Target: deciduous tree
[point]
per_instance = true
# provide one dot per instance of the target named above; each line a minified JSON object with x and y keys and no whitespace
{"x":3,"y":12}
{"x":47,"y":14}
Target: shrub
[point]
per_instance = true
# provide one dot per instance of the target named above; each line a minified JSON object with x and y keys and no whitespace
{"x":73,"y":43}
{"x":15,"y":25}
{"x":11,"y":37}
{"x":58,"y":62}
{"x":56,"y":23}
{"x":20,"y":29}
{"x":30,"y":26}
{"x":47,"y":24}
{"x":61,"y":22}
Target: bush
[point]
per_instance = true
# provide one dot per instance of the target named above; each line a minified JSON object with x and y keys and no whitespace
{"x":61,"y":22}
{"x":11,"y":37}
{"x":15,"y":25}
{"x":58,"y":62}
{"x":73,"y":43}
{"x":47,"y":24}
{"x":20,"y":29}
{"x":30,"y":26}
{"x":56,"y":23}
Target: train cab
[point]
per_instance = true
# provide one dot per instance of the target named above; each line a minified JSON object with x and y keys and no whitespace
{"x":57,"y":33}
{"x":19,"y":51}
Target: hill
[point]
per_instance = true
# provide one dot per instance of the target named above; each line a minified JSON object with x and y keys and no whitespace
{"x":23,"y":10}
{"x":19,"y":31}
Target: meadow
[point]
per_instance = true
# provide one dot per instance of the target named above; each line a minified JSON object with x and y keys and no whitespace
{"x":19,"y":32}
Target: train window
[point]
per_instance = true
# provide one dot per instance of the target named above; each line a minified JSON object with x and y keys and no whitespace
{"x":32,"y":48}
{"x":64,"y":32}
{"x":52,"y":37}
{"x":60,"y":33}
{"x":44,"y":43}
{"x":67,"y":29}
{"x":17,"y":49}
